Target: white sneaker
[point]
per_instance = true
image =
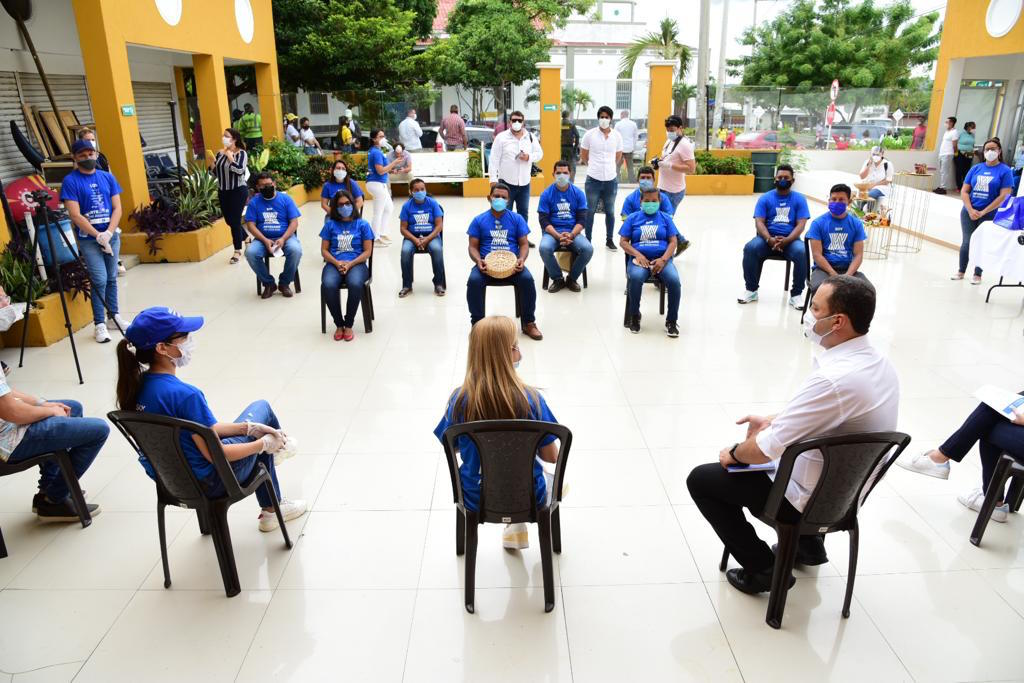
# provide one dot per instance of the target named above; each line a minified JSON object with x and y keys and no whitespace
{"x":290,"y":450}
{"x":973,"y":500}
{"x":515,"y":537}
{"x":121,"y":322}
{"x":121,"y":270}
{"x":379,"y":242}
{"x":747,"y":298}
{"x":922,"y":464}
{"x":101,"y":334}
{"x":797,"y":302}
{"x":290,"y":509}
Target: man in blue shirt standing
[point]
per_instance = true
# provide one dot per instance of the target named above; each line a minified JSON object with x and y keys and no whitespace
{"x":837,"y":240}
{"x":93,"y":201}
{"x":779,"y":218}
{"x":562,"y":212}
{"x":494,"y":230}
{"x":272,"y":218}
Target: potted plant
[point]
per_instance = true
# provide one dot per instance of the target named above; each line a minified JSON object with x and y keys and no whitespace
{"x":720,"y":175}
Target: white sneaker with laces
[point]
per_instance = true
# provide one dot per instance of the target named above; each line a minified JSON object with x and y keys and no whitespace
{"x":290,"y":450}
{"x":290,"y":509}
{"x":747,"y":298}
{"x":515,"y":537}
{"x":973,"y":500}
{"x":922,"y":464}
{"x":797,"y":302}
{"x":121,"y":322}
{"x":101,"y":334}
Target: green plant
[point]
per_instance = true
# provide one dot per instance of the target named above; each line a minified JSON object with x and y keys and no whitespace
{"x":788,"y":155}
{"x":665,"y":40}
{"x":316,"y":172}
{"x":286,"y":159}
{"x":724,"y":165}
{"x":15,"y":270}
{"x":159,"y":218}
{"x":474,"y":167}
{"x":197,"y":198}
{"x":258,"y":162}
{"x":358,"y":167}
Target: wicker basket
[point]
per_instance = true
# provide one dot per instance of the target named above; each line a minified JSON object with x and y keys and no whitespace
{"x":501,"y":264}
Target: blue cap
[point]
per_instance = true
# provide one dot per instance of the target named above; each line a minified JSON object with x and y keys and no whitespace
{"x":82,"y":146}
{"x":158,"y":324}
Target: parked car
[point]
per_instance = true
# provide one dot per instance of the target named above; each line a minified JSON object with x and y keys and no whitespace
{"x":858,"y":130}
{"x":476,"y":135}
{"x":763,"y":139}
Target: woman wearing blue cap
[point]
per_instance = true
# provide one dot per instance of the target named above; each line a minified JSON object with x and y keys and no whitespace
{"x":163,"y":340}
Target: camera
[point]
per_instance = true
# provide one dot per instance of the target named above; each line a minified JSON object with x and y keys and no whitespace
{"x":40,"y":196}
{"x":655,"y":163}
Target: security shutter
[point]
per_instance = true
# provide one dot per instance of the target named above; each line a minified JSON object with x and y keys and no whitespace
{"x":154,"y":115}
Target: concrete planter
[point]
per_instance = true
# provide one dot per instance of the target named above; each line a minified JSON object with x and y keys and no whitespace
{"x":46,"y":321}
{"x":719,"y":184}
{"x":476,"y":187}
{"x":182,"y":247}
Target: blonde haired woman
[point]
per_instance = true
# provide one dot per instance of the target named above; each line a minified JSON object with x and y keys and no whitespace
{"x":493,"y":390}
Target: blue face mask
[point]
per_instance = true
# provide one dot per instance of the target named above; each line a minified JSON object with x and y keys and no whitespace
{"x":645,"y":184}
{"x":499,"y":204}
{"x":419,"y":195}
{"x":562,"y":180}
{"x":345,"y":210}
{"x":837,"y":209}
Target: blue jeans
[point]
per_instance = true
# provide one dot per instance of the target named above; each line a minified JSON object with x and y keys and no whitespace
{"x":519,"y":197}
{"x":102,"y":269}
{"x":292,"y":253}
{"x":330,"y":285}
{"x":257,"y":411}
{"x":522,"y":281}
{"x":967,"y":226}
{"x":676,"y":198}
{"x":606,"y":190}
{"x":637,"y":276}
{"x":757,"y":251}
{"x":875,"y":193}
{"x":581,"y":246}
{"x":81,"y":437}
{"x":436,"y":250}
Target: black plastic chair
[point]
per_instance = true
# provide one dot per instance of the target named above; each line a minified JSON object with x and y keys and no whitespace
{"x":507,"y":450}
{"x":67,"y":470}
{"x":652,"y":280}
{"x":366,"y":304}
{"x":848,"y":461}
{"x":444,"y":277}
{"x":1008,"y":467}
{"x":774,"y":256}
{"x":572,"y":259}
{"x":158,"y":438}
{"x":495,"y":282}
{"x":259,"y":285}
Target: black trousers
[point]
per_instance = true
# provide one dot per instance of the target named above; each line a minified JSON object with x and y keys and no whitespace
{"x":721,"y":496}
{"x":994,"y":435}
{"x":232,"y":203}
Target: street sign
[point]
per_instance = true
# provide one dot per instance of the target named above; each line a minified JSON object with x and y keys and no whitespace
{"x":897,"y":116}
{"x":830,"y":113}
{"x":550,"y":107}
{"x":758,"y":112}
{"x":127,"y":110}
{"x":834,"y":92}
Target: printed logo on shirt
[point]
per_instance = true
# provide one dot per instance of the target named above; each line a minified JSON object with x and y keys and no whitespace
{"x":648,"y":233}
{"x":981,"y":183}
{"x":837,"y":241}
{"x":781,"y":214}
{"x":421,"y":218}
{"x":345,"y":241}
{"x":499,"y":238}
{"x":564,"y":209}
{"x":270,"y":216}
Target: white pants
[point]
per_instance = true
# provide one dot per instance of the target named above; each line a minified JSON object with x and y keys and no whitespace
{"x":382,"y":207}
{"x":947,"y":173}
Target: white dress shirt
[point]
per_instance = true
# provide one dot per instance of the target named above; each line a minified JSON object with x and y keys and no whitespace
{"x":629,"y":132}
{"x":878,"y":173}
{"x":504,"y":164}
{"x":601,"y":160}
{"x":948,"y":145}
{"x":409,"y":133}
{"x":853,"y":388}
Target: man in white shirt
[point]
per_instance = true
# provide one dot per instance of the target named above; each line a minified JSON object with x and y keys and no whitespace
{"x":853,"y":388}
{"x":291,"y":133}
{"x":947,"y":150}
{"x":409,"y":132}
{"x":626,"y":127}
{"x":601,"y":152}
{"x":513,"y":154}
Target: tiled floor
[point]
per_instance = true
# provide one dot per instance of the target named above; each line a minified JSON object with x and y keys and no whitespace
{"x":371,"y":591}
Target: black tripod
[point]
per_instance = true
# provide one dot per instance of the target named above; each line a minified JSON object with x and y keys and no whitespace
{"x":44,"y":222}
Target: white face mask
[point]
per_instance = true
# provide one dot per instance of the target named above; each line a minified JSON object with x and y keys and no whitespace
{"x":227,"y":140}
{"x":517,"y":126}
{"x":809,"y":325}
{"x":876,"y":158}
{"x":95,"y":145}
{"x":604,"y":123}
{"x":186,"y":348}
{"x":412,"y":116}
{"x":340,"y":174}
{"x":991,"y":154}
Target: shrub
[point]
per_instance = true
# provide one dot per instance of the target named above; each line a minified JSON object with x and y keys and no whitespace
{"x":474,"y":167}
{"x":15,"y":269}
{"x":316,"y":172}
{"x":287,"y":160}
{"x":159,"y":218}
{"x":724,"y":165}
{"x":197,"y":199}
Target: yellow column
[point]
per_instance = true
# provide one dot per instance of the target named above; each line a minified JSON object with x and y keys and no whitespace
{"x":550,"y":76}
{"x":268,"y":90}
{"x":212,"y":91}
{"x":113,"y":101}
{"x":659,"y":105}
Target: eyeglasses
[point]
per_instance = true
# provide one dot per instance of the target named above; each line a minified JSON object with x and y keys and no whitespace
{"x":516,"y":120}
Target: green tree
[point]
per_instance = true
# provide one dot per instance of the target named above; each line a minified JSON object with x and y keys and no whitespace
{"x":424,"y":11}
{"x":665,"y":41}
{"x":681,"y":94}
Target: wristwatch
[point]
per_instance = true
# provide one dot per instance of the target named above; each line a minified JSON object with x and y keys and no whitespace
{"x":732,"y":454}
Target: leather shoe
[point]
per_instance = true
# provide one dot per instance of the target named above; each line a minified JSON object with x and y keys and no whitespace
{"x":531,"y":330}
{"x":556,"y":286}
{"x":286,"y":291}
{"x":268,"y":291}
{"x":752,"y":583}
{"x":572,"y":285}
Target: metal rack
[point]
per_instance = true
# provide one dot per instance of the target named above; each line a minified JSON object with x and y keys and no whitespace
{"x":909,"y":201}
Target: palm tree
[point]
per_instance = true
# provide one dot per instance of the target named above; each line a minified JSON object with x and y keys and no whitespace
{"x":681,"y":93}
{"x":573,"y":99}
{"x":665,"y":41}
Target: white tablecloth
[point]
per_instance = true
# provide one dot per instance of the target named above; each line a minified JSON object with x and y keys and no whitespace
{"x":997,"y":251}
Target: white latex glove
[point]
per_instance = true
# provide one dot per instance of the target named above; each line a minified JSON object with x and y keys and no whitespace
{"x":103,"y":239}
{"x":256,"y":430}
{"x":272,"y":443}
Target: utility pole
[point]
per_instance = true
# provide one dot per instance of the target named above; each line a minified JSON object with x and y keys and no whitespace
{"x":720,"y":87}
{"x":702,"y":76}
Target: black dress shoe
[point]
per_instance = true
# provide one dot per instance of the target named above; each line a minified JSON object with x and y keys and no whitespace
{"x":610,"y":245}
{"x":556,"y":286}
{"x":752,"y":583}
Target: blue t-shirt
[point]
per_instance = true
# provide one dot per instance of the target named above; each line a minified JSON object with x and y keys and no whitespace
{"x":649,"y":234}
{"x":837,"y":237}
{"x":374,"y":157}
{"x":986,"y":182}
{"x":94,"y":193}
{"x":346,"y":237}
{"x":421,"y":217}
{"x":164,"y":394}
{"x":331,"y":188}
{"x":781,"y":212}
{"x":632,"y":203}
{"x":498,"y":233}
{"x":469,"y":472}
{"x":272,"y":216}
{"x":561,"y":207}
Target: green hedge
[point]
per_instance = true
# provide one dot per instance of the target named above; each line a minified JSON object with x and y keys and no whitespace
{"x":724,"y":165}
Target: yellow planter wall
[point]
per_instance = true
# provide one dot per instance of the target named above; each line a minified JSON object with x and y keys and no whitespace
{"x":183,"y":247}
{"x":46,"y":323}
{"x":719,"y":184}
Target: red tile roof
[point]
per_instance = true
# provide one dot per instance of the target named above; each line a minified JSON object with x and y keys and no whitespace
{"x":444,"y":8}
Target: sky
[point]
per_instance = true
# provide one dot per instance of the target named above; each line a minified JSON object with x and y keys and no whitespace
{"x":741,"y":12}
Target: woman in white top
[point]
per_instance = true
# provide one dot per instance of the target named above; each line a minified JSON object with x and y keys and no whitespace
{"x":310,"y":145}
{"x":878,"y":172}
